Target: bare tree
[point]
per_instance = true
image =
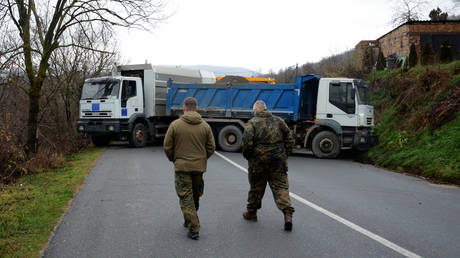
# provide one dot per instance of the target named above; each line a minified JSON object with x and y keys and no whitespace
{"x":34,"y":30}
{"x":407,"y":10}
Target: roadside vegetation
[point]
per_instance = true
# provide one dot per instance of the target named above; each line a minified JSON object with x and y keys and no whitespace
{"x":32,"y":206}
{"x":46,"y":52}
{"x":418,"y":120}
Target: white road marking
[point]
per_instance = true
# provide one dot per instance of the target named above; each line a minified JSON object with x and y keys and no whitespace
{"x":336,"y":217}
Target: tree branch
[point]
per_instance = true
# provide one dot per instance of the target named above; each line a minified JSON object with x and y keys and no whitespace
{"x":37,"y":21}
{"x":84,"y":47}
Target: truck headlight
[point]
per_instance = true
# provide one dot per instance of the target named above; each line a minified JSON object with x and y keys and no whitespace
{"x":111,"y":128}
{"x":363,"y":140}
{"x":81,"y":128}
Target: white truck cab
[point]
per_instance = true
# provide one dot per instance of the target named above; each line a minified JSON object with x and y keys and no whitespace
{"x":111,"y":98}
{"x":344,"y":105}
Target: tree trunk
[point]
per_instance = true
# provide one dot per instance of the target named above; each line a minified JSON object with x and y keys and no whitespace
{"x":32,"y":123}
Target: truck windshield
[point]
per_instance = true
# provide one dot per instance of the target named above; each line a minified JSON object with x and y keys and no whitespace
{"x":100,"y":89}
{"x":363,"y":92}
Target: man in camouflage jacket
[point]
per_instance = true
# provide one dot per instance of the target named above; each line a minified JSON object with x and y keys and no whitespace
{"x":267,"y":142}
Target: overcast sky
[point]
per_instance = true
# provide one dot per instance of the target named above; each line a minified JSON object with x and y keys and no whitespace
{"x":258,"y":34}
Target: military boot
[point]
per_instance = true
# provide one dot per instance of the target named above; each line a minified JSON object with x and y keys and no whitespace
{"x":193,"y":235}
{"x":250,"y":215}
{"x":288,"y":221}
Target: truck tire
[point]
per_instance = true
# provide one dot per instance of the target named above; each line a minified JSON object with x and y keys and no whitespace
{"x":230,"y":138}
{"x":325,"y":145}
{"x":139,"y":136}
{"x":100,"y":140}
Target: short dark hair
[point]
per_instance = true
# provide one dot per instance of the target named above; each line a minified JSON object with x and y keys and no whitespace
{"x":190,"y":104}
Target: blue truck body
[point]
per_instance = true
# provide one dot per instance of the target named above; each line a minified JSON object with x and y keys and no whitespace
{"x":292,"y":102}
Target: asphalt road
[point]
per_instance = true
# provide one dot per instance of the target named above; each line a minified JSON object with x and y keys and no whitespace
{"x":128,"y":208}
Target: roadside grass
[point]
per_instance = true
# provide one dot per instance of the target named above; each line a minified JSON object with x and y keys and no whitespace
{"x":418,"y":120}
{"x":31,"y":207}
{"x":433,"y":155}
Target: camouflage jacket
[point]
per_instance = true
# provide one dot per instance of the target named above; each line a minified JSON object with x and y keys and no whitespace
{"x":267,"y":138}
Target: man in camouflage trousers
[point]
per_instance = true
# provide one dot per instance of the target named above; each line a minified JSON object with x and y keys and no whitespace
{"x":267,"y":141}
{"x":189,"y":143}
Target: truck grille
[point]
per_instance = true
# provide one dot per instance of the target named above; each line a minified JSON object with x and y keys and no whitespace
{"x":369,"y":120}
{"x":97,"y":114}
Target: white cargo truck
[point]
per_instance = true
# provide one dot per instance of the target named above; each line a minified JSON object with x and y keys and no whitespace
{"x":131,"y":104}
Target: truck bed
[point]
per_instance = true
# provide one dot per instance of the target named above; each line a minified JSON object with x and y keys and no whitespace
{"x":235,"y":101}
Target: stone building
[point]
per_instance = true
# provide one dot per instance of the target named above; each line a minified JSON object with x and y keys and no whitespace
{"x":396,"y":43}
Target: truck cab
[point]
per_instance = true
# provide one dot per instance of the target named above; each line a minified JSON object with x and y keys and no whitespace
{"x":344,"y":107}
{"x":107,"y":104}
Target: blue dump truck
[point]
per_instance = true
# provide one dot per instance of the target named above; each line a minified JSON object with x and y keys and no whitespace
{"x":324,"y":114}
{"x":139,"y":102}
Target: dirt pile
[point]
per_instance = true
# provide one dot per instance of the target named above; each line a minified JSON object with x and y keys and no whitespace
{"x":232,"y":79}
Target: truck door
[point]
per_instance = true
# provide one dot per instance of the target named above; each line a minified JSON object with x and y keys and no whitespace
{"x":342,"y":105}
{"x":131,"y":98}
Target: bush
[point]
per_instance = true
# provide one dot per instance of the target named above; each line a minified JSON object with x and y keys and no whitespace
{"x":427,"y":54}
{"x":57,"y":135}
{"x":413,"y":58}
{"x":445,"y":55}
{"x":11,"y":155}
{"x":367,"y":60}
{"x":380,"y":62}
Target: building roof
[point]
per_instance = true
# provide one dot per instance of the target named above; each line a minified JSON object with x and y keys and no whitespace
{"x":420,"y":22}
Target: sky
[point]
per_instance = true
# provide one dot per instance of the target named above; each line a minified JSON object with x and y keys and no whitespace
{"x":260,"y":35}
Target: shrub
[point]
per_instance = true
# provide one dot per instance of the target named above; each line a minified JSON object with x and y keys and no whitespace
{"x":367,"y":60}
{"x":11,"y":155}
{"x":413,"y":58}
{"x":380,"y":62}
{"x":445,"y":55}
{"x":427,"y":54}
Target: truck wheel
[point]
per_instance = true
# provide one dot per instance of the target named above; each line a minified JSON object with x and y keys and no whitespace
{"x":100,"y":140}
{"x":138,"y":136}
{"x":230,"y":138}
{"x":325,"y":145}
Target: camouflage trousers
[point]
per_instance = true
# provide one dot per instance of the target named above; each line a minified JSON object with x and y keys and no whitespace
{"x":277,"y":179}
{"x":189,"y":188}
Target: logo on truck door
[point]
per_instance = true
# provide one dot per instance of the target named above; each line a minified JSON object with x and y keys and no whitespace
{"x":124,"y":112}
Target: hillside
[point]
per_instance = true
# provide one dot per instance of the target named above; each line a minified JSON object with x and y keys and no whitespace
{"x":418,"y":121}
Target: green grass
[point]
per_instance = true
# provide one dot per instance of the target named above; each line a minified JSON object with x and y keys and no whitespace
{"x":407,"y":140}
{"x":31,"y":208}
{"x":431,"y":155}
